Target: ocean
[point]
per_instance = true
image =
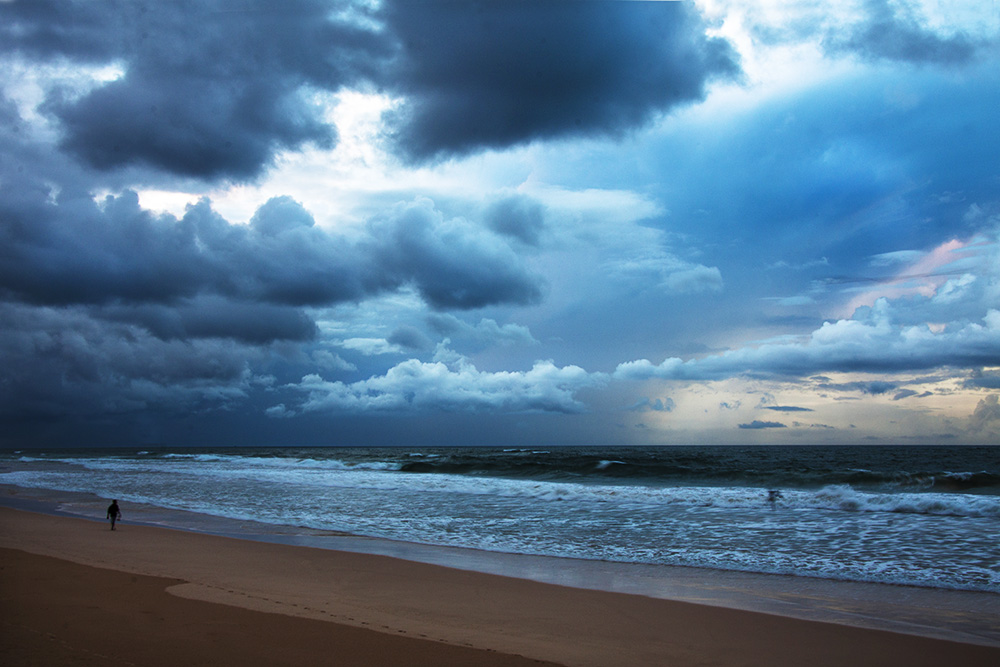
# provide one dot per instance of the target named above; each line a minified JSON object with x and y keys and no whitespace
{"x":922,"y":516}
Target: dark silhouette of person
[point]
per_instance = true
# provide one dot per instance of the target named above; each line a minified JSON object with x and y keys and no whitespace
{"x":773,"y":496}
{"x":114,"y":513}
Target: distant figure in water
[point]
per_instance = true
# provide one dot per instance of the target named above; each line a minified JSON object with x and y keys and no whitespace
{"x":114,"y":513}
{"x":773,"y":496}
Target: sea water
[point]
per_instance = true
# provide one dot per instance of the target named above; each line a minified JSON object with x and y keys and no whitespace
{"x":925,"y":516}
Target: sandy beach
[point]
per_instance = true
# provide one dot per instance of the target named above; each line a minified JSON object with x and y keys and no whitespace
{"x":74,"y":592}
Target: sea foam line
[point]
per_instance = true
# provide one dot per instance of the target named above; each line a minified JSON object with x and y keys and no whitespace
{"x":380,"y":475}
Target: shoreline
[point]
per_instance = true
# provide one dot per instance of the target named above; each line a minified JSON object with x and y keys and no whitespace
{"x":962,"y":616}
{"x":500,"y":616}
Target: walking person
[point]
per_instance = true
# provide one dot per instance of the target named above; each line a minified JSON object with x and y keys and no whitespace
{"x":114,"y":513}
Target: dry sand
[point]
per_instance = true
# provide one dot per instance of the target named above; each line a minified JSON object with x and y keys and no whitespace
{"x":74,"y":592}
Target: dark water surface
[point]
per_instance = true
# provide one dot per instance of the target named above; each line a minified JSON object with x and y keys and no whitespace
{"x":924,"y":516}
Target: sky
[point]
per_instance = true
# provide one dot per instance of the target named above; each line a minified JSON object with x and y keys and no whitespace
{"x":517,"y":223}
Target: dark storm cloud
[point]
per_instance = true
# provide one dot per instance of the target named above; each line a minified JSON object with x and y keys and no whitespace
{"x":222,"y":134}
{"x":210,"y":88}
{"x":79,"y":30}
{"x":892,"y":31}
{"x":216,"y":317}
{"x":494,"y":74}
{"x":76,"y":251}
{"x":909,"y":393}
{"x":874,"y":388}
{"x":452,"y":263}
{"x":409,"y":338}
{"x":982,"y":379}
{"x":60,"y":361}
{"x":519,"y":217}
{"x":108,"y":308}
{"x":757,"y":424}
{"x":214,"y":89}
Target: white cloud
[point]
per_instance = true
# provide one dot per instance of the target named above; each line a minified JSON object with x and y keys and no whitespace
{"x":845,"y":345}
{"x":942,"y":321}
{"x":452,"y":384}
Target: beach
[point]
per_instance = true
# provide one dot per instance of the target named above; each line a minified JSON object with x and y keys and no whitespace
{"x":923,"y":517}
{"x":75,"y":592}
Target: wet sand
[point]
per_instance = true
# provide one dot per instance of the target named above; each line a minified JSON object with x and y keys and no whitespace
{"x":60,"y":613}
{"x":147,"y":595}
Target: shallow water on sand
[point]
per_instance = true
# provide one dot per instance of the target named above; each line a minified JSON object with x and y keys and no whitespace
{"x":964,"y":616}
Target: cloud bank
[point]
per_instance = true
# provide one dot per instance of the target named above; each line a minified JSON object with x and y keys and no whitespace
{"x":208,"y":89}
{"x":77,"y":251}
{"x":496,"y":74}
{"x":216,"y":91}
{"x":845,"y":346}
{"x":451,"y":383}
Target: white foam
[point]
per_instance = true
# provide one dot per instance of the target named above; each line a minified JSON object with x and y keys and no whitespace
{"x":387,"y":475}
{"x":835,"y":532}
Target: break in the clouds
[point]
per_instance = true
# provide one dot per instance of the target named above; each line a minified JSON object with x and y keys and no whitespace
{"x":517,"y":221}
